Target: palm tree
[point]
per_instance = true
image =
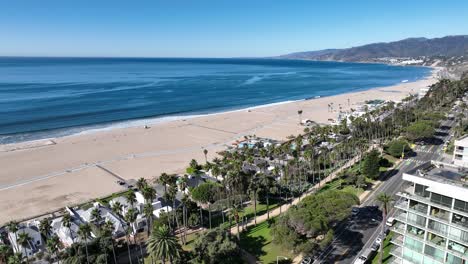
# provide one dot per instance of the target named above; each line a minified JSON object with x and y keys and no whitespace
{"x":52,"y":245}
{"x":299,"y":112}
{"x":141,"y":183}
{"x":131,"y":198}
{"x":385,"y":200}
{"x":45,"y":227}
{"x":107,"y":231}
{"x":162,"y":244}
{"x":96,"y":217}
{"x":13,"y":228}
{"x":16,"y":258}
{"x":66,"y":222}
{"x":4,"y":252}
{"x":130,"y":218}
{"x":266,"y":182}
{"x":24,"y":240}
{"x":205,"y":152}
{"x":85,"y":233}
{"x":148,"y":212}
{"x":117,"y":208}
{"x":149,"y":193}
{"x":253,"y":188}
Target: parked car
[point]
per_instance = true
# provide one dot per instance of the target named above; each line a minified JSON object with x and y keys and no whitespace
{"x":390,"y":221}
{"x":306,"y":260}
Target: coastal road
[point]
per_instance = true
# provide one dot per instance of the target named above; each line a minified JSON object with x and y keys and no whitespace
{"x":360,"y":233}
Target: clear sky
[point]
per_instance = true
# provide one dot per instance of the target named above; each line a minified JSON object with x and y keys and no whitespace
{"x":217,"y":28}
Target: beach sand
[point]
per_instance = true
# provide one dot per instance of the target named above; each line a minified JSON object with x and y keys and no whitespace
{"x":41,"y":177}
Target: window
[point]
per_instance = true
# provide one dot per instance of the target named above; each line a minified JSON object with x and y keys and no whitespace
{"x":434,"y":252}
{"x":412,"y":256}
{"x":459,"y":234}
{"x":441,"y":199}
{"x":421,"y":190}
{"x":454,"y":260}
{"x":416,"y":219}
{"x":413,"y":244}
{"x":458,"y":157}
{"x":461,"y":205}
{"x":438,"y":227}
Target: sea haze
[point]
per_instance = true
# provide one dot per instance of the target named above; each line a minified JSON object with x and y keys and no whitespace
{"x":49,"y":97}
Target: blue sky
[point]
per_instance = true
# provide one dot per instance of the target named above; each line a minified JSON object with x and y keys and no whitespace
{"x":218,"y":28}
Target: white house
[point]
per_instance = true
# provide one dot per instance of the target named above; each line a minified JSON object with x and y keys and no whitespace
{"x":460,"y":153}
{"x":67,"y":235}
{"x":107,"y":216}
{"x":33,"y":245}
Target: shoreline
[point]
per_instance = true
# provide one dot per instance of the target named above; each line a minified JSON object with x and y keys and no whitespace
{"x":51,"y":176}
{"x":155,"y":120}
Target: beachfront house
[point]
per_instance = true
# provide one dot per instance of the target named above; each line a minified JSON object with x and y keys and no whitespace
{"x":67,"y":235}
{"x":119,"y":225}
{"x":35,"y":243}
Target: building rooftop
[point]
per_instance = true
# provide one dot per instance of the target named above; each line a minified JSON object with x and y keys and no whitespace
{"x":463,"y":140}
{"x":442,"y":172}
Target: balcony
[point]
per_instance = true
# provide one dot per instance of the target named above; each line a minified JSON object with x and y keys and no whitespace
{"x":400,"y":215}
{"x":436,"y":240}
{"x":460,"y":221}
{"x":397,"y":239}
{"x":396,"y":251}
{"x":415,"y":232}
{"x":398,"y":227}
{"x":402,"y":204}
{"x":418,"y":207}
{"x":440,"y":214}
{"x":458,"y":249}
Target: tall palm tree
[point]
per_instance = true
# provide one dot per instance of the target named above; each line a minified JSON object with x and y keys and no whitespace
{"x":141,"y":183}
{"x":45,"y":227}
{"x":205,"y":152}
{"x":385,"y":200}
{"x":84,"y":232}
{"x":149,"y":193}
{"x":107,"y":229}
{"x":96,"y":217}
{"x":117,"y":208}
{"x":52,"y":245}
{"x":253,"y":188}
{"x":13,"y":228}
{"x":130,"y":218}
{"x":266,"y":182}
{"x":24,"y":240}
{"x":148,"y":212}
{"x":131,"y":198}
{"x":162,"y":244}
{"x":67,"y":222}
{"x":299,"y":112}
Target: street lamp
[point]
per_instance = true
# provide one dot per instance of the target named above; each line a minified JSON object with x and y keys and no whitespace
{"x":277,"y":258}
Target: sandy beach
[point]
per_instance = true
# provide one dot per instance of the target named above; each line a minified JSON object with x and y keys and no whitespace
{"x":44,"y":176}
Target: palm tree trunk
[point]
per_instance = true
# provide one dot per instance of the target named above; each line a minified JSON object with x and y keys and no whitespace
{"x":87,"y":255}
{"x":201,"y":217}
{"x":113,"y":251}
{"x":128,"y":248}
{"x":268,"y":206}
{"x":382,"y":234}
{"x":209,"y":214}
{"x":255,"y":207}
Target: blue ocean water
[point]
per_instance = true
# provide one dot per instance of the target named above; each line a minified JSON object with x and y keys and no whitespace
{"x":49,"y":97}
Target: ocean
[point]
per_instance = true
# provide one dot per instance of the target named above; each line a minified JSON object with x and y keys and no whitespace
{"x":53,"y":97}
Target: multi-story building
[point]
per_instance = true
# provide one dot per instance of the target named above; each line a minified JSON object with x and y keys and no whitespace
{"x":460,"y":152}
{"x":431,"y":216}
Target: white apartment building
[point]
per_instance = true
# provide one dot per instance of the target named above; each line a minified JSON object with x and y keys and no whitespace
{"x":431,"y":216}
{"x":460,"y":152}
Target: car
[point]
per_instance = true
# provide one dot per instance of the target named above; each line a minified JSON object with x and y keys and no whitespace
{"x":375,"y":247}
{"x":378,"y":240}
{"x":355,"y":211}
{"x":306,"y":260}
{"x":390,"y":221}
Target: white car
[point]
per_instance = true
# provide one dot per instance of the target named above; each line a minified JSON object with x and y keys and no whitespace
{"x":378,"y":240}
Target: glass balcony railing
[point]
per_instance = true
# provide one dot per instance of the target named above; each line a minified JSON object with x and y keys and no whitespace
{"x":396,"y":251}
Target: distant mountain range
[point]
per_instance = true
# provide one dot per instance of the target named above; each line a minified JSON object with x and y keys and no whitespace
{"x":449,"y":46}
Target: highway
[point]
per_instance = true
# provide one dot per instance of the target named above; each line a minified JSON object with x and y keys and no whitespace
{"x":359,"y":233}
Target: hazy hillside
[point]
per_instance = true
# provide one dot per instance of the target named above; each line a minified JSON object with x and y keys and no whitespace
{"x":408,"y":48}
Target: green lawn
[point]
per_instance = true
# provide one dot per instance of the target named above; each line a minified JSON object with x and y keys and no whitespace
{"x":386,"y":253}
{"x":337,"y":184}
{"x":258,"y":241}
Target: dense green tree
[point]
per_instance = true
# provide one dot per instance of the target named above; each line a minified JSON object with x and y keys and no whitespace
{"x":420,"y":130}
{"x":371,"y":165}
{"x":397,"y":147}
{"x":216,"y":246}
